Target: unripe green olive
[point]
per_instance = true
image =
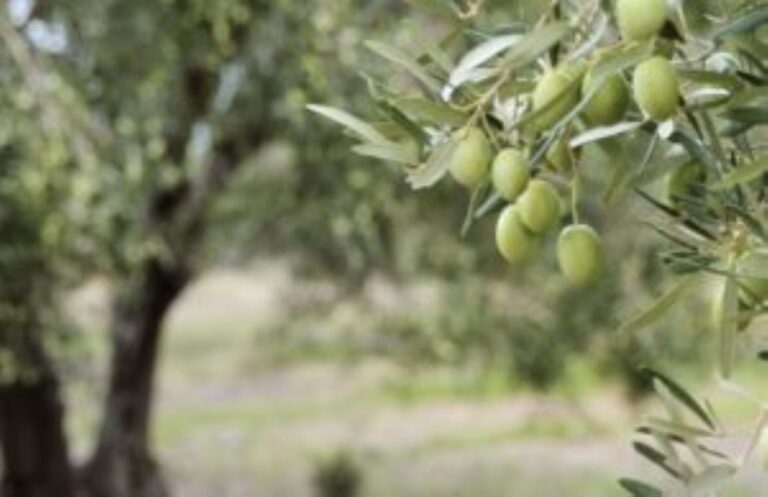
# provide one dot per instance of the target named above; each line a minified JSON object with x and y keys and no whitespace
{"x":471,"y":157}
{"x":539,"y":206}
{"x":656,"y":88}
{"x":515,"y":243}
{"x":640,"y":19}
{"x":579,"y":254}
{"x":609,"y":103}
{"x":557,"y":84}
{"x":683,"y":181}
{"x":510,"y":173}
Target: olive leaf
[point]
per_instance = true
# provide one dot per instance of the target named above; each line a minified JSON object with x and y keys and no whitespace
{"x":603,"y":132}
{"x":388,"y":152}
{"x":677,"y":428}
{"x":479,"y":56}
{"x":639,"y":489}
{"x":400,"y":57}
{"x":431,"y":111}
{"x":353,"y":123}
{"x":617,"y":59}
{"x":656,"y":457}
{"x":748,"y":22}
{"x":660,"y":307}
{"x":682,"y":395}
{"x":435,"y":167}
{"x":743,"y":174}
{"x":534,"y":44}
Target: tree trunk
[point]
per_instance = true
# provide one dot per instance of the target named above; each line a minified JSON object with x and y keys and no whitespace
{"x":122,"y":464}
{"x":34,"y":448}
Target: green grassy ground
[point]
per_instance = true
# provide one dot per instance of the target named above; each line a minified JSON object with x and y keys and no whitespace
{"x":232,"y":422}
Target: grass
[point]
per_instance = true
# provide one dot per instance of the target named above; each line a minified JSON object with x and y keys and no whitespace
{"x":229,"y":424}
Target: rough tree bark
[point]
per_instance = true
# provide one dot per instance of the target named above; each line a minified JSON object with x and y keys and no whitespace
{"x":34,"y":448}
{"x":122,"y":465}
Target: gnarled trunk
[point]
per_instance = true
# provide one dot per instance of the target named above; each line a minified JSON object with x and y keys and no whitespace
{"x":123,"y":464}
{"x":35,"y":458}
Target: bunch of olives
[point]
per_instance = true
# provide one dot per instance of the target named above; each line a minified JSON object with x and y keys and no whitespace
{"x":534,"y":208}
{"x":534,"y":204}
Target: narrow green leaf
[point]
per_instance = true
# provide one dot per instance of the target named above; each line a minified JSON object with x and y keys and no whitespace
{"x":656,"y":457}
{"x":353,"y":123}
{"x":695,"y":149}
{"x":679,"y":429}
{"x":743,"y":174}
{"x":400,"y":57}
{"x":388,"y":152}
{"x":659,"y":308}
{"x":603,"y":132}
{"x":747,"y":115}
{"x":480,"y":55}
{"x":534,"y":44}
{"x":639,"y":489}
{"x":616,"y":60}
{"x":743,"y":24}
{"x":711,"y":78}
{"x":682,"y":395}
{"x":434,"y":168}
{"x":431,"y":111}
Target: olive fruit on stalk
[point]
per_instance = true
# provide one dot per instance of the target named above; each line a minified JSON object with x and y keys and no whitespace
{"x":515,"y":243}
{"x":656,"y":88}
{"x":471,"y":157}
{"x":539,"y":206}
{"x":579,"y":254}
{"x":510,"y":173}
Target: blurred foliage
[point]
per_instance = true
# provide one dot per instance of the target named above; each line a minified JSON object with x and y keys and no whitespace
{"x":95,"y":126}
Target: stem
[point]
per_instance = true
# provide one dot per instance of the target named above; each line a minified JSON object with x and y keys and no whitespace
{"x":575,"y":193}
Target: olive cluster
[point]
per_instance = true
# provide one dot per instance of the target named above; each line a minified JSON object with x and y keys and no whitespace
{"x":534,"y":204}
{"x":534,"y":207}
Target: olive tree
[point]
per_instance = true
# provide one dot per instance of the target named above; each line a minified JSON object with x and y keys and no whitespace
{"x":135,"y":116}
{"x":516,"y":113}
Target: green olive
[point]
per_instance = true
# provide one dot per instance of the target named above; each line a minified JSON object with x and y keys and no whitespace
{"x":557,"y":85}
{"x":539,"y":206}
{"x":515,"y":243}
{"x":579,"y":254}
{"x":471,"y":157}
{"x":609,"y":103}
{"x":684,"y":181}
{"x":640,"y":19}
{"x":656,"y":88}
{"x":510,"y":173}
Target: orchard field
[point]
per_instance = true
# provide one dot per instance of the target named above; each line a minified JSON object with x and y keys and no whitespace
{"x":236,"y":417}
{"x":376,"y":248}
